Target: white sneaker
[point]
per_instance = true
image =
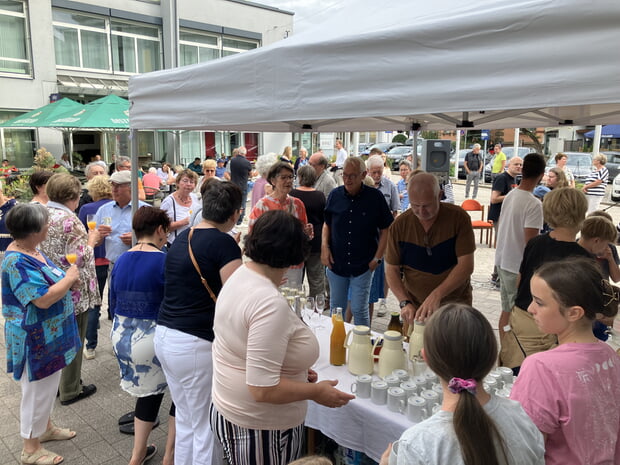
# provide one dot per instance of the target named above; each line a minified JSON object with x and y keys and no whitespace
{"x":89,"y":354}
{"x":382,"y":308}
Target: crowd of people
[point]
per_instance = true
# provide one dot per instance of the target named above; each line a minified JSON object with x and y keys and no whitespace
{"x":238,"y":365}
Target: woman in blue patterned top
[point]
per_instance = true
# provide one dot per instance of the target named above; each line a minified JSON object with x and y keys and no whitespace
{"x":40,"y":328}
{"x":135,"y":297}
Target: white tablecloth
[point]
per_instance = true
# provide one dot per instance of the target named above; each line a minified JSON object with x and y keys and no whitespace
{"x":359,"y":425}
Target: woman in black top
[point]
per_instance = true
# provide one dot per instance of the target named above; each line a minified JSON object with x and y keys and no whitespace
{"x":184,"y":331}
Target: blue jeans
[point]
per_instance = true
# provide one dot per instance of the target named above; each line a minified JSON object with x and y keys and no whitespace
{"x":244,"y":201}
{"x":95,"y":312}
{"x":360,"y":291}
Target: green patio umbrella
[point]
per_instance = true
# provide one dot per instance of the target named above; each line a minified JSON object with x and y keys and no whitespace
{"x":41,"y":117}
{"x":111,"y":112}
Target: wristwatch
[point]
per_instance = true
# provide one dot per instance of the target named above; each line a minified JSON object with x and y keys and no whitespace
{"x":404,"y":303}
{"x":378,"y":260}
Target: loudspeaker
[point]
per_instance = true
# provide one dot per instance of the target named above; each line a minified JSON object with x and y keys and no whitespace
{"x":436,"y":156}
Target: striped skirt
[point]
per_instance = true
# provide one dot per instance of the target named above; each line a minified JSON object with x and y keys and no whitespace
{"x":243,"y":446}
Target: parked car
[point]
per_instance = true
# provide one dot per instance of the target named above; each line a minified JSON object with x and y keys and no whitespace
{"x":396,"y":154}
{"x":615,"y":189}
{"x":362,"y":147}
{"x":383,"y":146}
{"x":579,"y":163}
{"x":509,"y":152}
{"x":461,"y":163}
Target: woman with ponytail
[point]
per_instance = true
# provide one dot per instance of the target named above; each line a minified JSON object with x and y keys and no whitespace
{"x":572,"y":392}
{"x":472,"y":427}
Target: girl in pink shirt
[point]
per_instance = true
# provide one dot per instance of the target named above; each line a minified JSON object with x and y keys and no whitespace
{"x":572,"y":392}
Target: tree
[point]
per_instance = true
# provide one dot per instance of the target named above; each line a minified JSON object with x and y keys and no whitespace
{"x":531,"y":133}
{"x":401,"y":138}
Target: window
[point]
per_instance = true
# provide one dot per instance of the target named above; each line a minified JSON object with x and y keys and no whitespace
{"x":14,"y":46}
{"x":19,"y":144}
{"x":232,"y":46}
{"x":83,"y":41}
{"x":80,"y":41}
{"x":135,"y":48}
{"x":197,"y":48}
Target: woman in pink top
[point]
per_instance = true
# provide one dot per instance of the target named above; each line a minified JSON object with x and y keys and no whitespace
{"x":572,"y":392}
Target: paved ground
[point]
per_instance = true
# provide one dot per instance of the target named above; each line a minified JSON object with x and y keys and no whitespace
{"x":95,"y":419}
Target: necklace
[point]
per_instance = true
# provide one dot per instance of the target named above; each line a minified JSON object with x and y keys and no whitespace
{"x":147,"y":243}
{"x":29,"y":251}
{"x":184,"y":202}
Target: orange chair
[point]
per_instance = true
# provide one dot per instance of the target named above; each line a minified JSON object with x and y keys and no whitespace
{"x":471,"y":205}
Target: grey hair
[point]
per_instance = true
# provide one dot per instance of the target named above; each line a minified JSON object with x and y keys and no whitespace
{"x":407,"y":163}
{"x":25,"y":219}
{"x":374,"y":161}
{"x":152,"y":169}
{"x":476,"y":146}
{"x":90,"y":166}
{"x":265,"y":162}
{"x":361,"y":166}
{"x":307,"y":176}
{"x":122,"y":159}
{"x":303,"y":149}
{"x":242,"y":150}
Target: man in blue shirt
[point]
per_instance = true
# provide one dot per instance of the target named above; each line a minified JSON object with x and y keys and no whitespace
{"x":114,"y":219}
{"x":354,"y":239}
{"x":196,"y":166}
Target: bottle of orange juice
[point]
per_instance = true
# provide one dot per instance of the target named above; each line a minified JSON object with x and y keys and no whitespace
{"x":337,"y":351}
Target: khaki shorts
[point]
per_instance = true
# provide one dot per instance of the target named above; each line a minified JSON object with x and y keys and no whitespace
{"x":523,"y":339}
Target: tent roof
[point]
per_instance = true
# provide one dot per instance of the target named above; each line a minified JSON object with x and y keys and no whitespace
{"x":388,"y":65}
{"x":611,"y":131}
{"x":110,"y":112}
{"x":42,"y":116}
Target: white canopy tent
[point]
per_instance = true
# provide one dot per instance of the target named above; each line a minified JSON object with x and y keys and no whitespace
{"x":393,"y":65}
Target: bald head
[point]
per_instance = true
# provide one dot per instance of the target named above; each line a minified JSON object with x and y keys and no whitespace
{"x":514,"y":166}
{"x":318,"y":162}
{"x":424,"y":196}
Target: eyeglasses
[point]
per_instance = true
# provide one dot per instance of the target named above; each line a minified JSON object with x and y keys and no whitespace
{"x":123,"y":167}
{"x":350,"y":176}
{"x":209,"y":171}
{"x":285,"y":177}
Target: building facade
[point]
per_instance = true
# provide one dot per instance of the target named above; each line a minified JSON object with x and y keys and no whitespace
{"x":50,"y":49}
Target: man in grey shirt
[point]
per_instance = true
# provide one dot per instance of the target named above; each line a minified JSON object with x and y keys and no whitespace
{"x":324,"y":182}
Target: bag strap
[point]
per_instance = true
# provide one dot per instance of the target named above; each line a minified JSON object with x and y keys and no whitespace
{"x":191,"y":255}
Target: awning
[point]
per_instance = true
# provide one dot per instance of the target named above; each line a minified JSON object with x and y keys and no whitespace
{"x":611,"y":131}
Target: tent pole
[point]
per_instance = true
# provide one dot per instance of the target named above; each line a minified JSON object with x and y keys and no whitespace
{"x":2,"y":147}
{"x":133,"y":140}
{"x":516,"y":141}
{"x":415,"y":150}
{"x":356,"y":143}
{"x":457,"y":151}
{"x":71,"y":147}
{"x":596,"y":141}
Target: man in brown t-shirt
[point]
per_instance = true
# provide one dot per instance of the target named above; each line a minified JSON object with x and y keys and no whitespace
{"x":433,"y":244}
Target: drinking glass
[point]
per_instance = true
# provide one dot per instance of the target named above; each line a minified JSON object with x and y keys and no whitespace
{"x":90,"y":221}
{"x":309,"y":308}
{"x":319,"y":306}
{"x":71,"y":253}
{"x":320,"y":303}
{"x":107,"y":220}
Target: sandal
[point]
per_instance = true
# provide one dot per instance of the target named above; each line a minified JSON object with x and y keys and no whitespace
{"x":41,"y":457}
{"x":57,"y":434}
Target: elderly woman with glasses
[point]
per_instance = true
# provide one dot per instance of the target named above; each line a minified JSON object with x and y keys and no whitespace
{"x":180,"y":205}
{"x":39,"y":326}
{"x":208,"y":171}
{"x":281,"y":176}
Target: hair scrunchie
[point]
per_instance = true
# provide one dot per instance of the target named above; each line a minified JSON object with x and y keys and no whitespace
{"x":458,"y":385}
